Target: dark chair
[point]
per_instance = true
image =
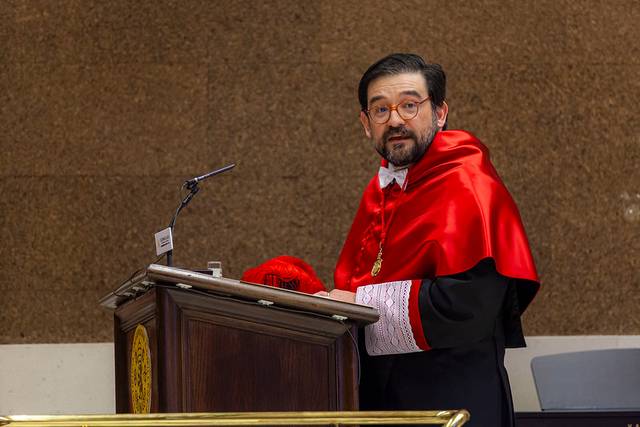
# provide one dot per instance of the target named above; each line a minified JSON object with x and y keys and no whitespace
{"x":597,"y":380}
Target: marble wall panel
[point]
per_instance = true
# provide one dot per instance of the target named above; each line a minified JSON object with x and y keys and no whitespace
{"x":104,"y":119}
{"x":265,"y":128}
{"x":6,"y":16}
{"x":254,"y":33}
{"x":80,"y":233}
{"x":88,"y":232}
{"x":490,"y":31}
{"x":600,"y":32}
{"x":113,"y":32}
{"x":105,"y":108}
{"x":593,"y":272}
{"x":310,"y":113}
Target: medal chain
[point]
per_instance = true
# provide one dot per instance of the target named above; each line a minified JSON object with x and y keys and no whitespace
{"x":377,"y":265}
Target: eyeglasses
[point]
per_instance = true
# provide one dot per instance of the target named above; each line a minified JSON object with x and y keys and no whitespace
{"x":406,"y":109}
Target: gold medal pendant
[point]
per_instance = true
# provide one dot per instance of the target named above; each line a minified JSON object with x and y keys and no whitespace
{"x":377,"y":265}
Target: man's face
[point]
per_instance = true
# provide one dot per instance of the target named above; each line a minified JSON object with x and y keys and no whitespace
{"x":402,"y":142}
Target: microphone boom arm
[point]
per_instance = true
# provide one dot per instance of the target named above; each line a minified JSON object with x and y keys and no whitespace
{"x":192,"y":186}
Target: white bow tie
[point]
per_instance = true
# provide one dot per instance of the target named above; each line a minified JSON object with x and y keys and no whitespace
{"x":386,"y":176}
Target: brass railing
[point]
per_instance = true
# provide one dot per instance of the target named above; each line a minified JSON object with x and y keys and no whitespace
{"x":446,"y":418}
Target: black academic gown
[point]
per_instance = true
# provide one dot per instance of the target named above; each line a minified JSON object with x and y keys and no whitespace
{"x":468,"y":320}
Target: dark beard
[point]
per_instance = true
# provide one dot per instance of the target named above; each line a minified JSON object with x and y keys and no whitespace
{"x":416,"y":152}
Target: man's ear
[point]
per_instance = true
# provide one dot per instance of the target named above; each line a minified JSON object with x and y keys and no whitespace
{"x":442,"y":112}
{"x":364,"y":119}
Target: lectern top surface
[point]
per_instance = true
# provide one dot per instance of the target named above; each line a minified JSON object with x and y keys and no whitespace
{"x":156,"y":275}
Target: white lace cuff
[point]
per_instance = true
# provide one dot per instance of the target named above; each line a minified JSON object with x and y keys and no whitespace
{"x":391,"y":334}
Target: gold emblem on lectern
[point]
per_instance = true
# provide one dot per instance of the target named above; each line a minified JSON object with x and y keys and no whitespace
{"x":140,"y":377}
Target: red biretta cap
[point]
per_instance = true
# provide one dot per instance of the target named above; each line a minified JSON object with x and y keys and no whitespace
{"x":286,"y":272}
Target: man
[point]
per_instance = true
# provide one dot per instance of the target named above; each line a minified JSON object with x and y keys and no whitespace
{"x":437,"y":245}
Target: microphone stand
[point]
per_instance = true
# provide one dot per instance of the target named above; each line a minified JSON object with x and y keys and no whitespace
{"x":193,"y":189}
{"x":192,"y":186}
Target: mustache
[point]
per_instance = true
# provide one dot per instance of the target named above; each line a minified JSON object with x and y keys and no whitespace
{"x":393,"y":132}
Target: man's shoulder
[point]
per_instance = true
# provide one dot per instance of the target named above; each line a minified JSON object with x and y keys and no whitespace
{"x":453,"y":157}
{"x":457,"y":144}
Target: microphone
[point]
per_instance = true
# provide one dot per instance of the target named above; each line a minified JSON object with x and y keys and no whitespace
{"x":194,"y":181}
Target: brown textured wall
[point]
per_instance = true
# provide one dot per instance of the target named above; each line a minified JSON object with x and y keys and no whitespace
{"x":105,"y":107}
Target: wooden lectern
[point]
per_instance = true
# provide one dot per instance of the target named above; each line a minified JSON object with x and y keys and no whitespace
{"x":221,"y":345}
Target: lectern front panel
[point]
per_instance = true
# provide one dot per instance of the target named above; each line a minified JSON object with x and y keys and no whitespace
{"x":256,"y":372}
{"x":212,"y":353}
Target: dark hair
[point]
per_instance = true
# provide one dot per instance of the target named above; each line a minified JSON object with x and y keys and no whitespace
{"x":398,"y":63}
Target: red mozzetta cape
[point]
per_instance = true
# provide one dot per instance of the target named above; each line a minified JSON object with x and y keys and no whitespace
{"x":454,"y":212}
